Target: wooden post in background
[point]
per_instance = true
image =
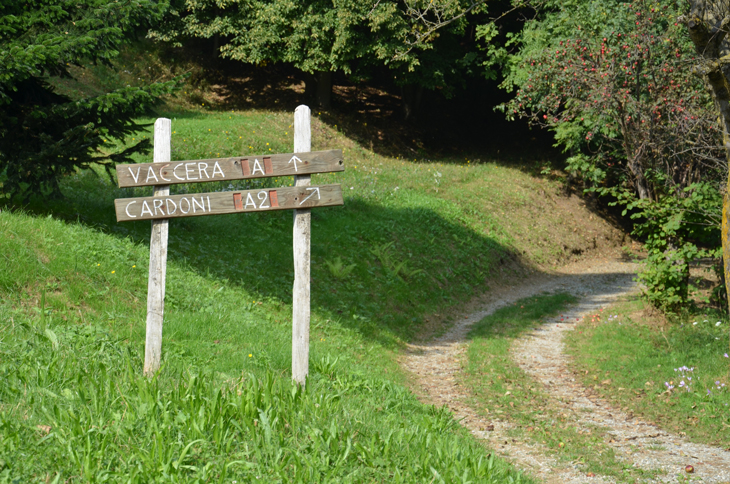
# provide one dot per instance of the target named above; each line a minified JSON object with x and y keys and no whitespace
{"x":158,"y":259}
{"x":302,"y":257}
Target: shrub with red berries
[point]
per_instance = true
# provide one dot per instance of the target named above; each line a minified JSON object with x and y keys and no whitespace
{"x":624,"y":103}
{"x":614,"y":82}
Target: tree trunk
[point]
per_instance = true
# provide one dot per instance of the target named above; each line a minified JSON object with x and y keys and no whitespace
{"x":411,"y":96}
{"x":708,"y":22}
{"x":640,"y":184}
{"x":310,"y":88}
{"x":318,"y":88}
{"x":324,"y":89}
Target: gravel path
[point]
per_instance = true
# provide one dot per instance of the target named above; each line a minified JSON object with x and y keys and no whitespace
{"x":436,"y":366}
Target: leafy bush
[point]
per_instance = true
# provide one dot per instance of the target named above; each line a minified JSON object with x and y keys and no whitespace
{"x":613,"y":82}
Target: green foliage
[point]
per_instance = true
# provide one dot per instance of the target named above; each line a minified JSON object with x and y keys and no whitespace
{"x":350,"y":36}
{"x":338,"y":268}
{"x":44,"y":135}
{"x":619,"y":96}
{"x":393,"y":268}
{"x":613,"y":82}
{"x":672,"y":228}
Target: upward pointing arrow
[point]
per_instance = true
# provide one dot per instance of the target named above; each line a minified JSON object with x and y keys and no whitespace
{"x":295,"y":159}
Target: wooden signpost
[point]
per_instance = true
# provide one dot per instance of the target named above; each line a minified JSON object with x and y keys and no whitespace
{"x":162,"y":206}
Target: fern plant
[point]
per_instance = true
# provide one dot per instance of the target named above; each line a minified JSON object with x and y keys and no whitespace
{"x":338,"y":268}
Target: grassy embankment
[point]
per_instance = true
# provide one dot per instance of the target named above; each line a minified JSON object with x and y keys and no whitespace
{"x":413,"y":241}
{"x":73,"y":299}
{"x":632,"y":355}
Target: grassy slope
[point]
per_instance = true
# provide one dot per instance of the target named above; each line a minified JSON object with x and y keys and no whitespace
{"x":73,"y":301}
{"x":73,"y":406}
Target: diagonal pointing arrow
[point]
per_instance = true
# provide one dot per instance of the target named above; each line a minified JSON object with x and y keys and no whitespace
{"x":314,"y":191}
{"x":295,"y":159}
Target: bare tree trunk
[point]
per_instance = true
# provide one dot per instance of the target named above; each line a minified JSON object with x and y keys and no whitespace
{"x":324,"y":89}
{"x":640,"y":184}
{"x":411,"y":96}
{"x":318,"y":88}
{"x":310,"y":88}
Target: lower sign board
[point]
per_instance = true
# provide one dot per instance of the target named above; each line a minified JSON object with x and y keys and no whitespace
{"x":197,"y":204}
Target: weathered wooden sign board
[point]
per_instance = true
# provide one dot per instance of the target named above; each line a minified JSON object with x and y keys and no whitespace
{"x":224,"y":169}
{"x":162,"y":206}
{"x":216,"y":203}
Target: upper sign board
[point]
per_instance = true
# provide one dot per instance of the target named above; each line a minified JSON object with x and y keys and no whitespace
{"x":223,"y":169}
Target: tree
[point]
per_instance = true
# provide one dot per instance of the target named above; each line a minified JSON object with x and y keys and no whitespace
{"x":44,"y":135}
{"x":320,"y":37}
{"x":707,"y":23}
{"x":613,"y":82}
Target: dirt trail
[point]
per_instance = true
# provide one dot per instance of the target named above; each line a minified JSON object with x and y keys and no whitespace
{"x":436,"y":365}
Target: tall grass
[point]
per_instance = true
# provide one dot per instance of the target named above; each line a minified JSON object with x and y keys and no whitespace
{"x":74,"y":407}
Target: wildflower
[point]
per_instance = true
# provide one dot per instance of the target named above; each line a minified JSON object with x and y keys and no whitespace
{"x":694,"y":324}
{"x":709,"y":392}
{"x":113,"y":272}
{"x":134,"y":266}
{"x":726,"y":355}
{"x":250,"y":355}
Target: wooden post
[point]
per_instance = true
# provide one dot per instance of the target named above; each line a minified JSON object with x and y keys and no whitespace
{"x":158,"y":259}
{"x":302,"y":237}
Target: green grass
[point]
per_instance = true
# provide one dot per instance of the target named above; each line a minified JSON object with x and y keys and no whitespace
{"x":413,"y":240}
{"x":636,"y":352}
{"x":397,"y":214}
{"x":501,"y":389}
{"x":73,"y":286}
{"x":74,"y":407}
{"x":416,"y":238}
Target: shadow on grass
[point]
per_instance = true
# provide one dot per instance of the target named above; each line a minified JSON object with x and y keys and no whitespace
{"x":371,"y":113}
{"x":406,"y":262}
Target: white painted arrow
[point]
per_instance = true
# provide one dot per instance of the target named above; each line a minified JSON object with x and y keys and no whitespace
{"x":295,"y":158}
{"x":313,"y":190}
